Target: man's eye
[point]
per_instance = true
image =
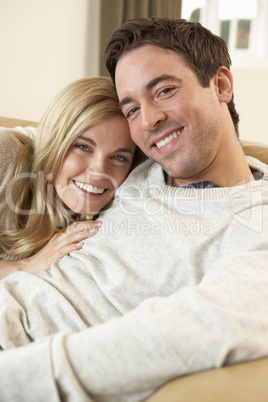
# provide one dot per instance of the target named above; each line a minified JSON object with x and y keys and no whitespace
{"x":166,"y":91}
{"x":131,"y":112}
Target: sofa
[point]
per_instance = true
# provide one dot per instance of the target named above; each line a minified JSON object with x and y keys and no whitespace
{"x":244,"y":382}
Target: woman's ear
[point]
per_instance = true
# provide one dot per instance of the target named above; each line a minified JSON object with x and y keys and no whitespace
{"x":223,"y":81}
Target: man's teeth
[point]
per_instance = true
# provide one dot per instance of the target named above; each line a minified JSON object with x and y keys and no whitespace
{"x":89,"y":188}
{"x":161,"y":143}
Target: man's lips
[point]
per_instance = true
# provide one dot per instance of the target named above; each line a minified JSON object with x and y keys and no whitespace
{"x":166,"y":138}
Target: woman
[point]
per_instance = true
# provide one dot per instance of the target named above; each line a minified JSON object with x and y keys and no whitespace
{"x":82,"y":152}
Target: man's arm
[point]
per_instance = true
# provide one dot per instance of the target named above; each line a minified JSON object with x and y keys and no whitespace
{"x":223,"y":320}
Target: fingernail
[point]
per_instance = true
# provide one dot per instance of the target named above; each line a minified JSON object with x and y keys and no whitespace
{"x":98,"y":224}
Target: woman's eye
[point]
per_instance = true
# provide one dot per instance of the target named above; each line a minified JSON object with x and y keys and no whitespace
{"x":120,"y":158}
{"x":83,"y":147}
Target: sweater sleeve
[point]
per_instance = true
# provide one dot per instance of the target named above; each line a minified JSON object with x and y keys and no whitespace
{"x":10,"y":186}
{"x":223,"y":320}
{"x":9,"y":150}
{"x":28,"y":131}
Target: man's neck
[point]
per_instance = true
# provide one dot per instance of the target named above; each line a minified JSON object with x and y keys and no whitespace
{"x":229,"y":169}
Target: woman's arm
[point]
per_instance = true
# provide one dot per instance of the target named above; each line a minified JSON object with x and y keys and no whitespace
{"x":61,"y":244}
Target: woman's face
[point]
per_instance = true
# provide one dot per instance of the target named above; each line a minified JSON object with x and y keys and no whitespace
{"x":96,"y":164}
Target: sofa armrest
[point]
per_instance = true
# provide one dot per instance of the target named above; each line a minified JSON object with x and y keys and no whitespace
{"x":11,"y":123}
{"x":245,"y":382}
{"x":255,"y":149}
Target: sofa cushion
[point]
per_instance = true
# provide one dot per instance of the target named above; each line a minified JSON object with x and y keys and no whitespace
{"x":245,"y":382}
{"x":255,"y":149}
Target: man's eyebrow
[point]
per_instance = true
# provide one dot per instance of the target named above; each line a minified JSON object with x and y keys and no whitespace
{"x":124,"y":101}
{"x":164,"y":77}
{"x":150,"y":85}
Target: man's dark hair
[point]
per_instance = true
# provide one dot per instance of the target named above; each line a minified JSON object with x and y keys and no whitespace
{"x":203,"y":51}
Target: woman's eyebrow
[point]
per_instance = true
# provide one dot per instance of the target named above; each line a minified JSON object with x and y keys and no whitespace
{"x":123,"y":150}
{"x":87,"y":140}
{"x":94,"y":144}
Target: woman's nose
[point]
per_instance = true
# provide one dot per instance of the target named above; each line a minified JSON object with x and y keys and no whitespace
{"x":97,"y":166}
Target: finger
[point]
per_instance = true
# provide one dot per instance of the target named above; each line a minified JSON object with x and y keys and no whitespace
{"x":72,"y":238}
{"x":67,"y":249}
{"x":82,"y":226}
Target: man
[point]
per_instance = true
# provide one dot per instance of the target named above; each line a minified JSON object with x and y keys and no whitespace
{"x":184,"y":270}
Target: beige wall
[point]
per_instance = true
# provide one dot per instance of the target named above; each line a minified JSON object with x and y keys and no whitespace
{"x":251,"y":99}
{"x":46,"y":44}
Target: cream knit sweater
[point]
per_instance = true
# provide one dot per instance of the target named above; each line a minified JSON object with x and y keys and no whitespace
{"x":10,"y":189}
{"x":176,"y":281}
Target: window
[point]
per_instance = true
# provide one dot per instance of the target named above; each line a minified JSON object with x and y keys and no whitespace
{"x":243,"y":24}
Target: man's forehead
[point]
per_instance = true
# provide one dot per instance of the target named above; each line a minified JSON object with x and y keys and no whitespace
{"x":143,"y":68}
{"x":145,"y":58}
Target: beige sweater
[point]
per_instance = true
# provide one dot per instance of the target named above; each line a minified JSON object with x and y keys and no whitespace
{"x":176,"y":281}
{"x":10,"y":187}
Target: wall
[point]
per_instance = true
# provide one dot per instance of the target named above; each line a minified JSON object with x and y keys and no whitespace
{"x":251,"y":100}
{"x":45,"y":44}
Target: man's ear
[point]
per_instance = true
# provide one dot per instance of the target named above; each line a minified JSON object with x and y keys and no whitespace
{"x":223,"y":81}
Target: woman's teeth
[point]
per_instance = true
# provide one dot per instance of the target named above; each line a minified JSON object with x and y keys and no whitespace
{"x":164,"y":142}
{"x":89,"y":188}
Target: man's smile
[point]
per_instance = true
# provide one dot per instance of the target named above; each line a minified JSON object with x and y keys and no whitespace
{"x":168,"y":138}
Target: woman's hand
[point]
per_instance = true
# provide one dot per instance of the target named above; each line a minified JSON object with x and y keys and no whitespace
{"x":61,"y":244}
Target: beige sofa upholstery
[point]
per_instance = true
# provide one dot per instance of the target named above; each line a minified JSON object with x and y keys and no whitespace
{"x":10,"y":123}
{"x":245,"y":382}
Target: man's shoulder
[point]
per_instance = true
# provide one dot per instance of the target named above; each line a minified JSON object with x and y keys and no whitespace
{"x":140,"y":174}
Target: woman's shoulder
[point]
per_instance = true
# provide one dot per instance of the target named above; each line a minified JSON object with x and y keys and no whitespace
{"x":13,"y":139}
{"x":10,"y":149}
{"x":15,"y":157}
{"x":10,"y":146}
{"x":12,"y":155}
{"x":14,"y":146}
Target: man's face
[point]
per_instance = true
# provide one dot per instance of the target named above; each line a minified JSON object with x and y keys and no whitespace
{"x":172,"y":118}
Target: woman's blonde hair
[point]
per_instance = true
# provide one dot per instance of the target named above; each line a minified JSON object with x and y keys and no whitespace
{"x":78,"y":106}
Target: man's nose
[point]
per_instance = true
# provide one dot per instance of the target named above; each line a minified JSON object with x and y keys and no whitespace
{"x":152,"y":117}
